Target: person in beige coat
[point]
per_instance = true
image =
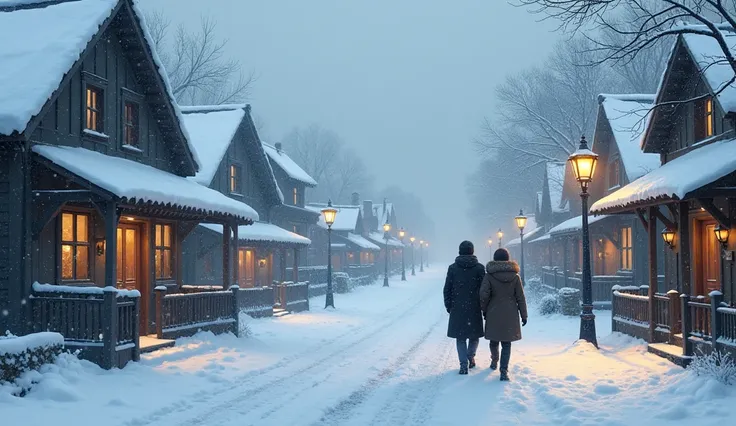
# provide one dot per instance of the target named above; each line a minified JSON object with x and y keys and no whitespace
{"x":502,"y":302}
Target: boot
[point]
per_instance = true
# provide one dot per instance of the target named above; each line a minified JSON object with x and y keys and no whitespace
{"x":463,"y":369}
{"x":494,"y":364}
{"x":504,"y":375}
{"x":471,"y":362}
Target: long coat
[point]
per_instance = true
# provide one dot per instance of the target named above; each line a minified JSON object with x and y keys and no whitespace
{"x":503,"y":302}
{"x":462,"y":298}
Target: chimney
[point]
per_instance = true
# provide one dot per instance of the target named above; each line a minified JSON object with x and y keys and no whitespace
{"x":278,"y":147}
{"x":355,"y":200}
{"x":367,"y":208}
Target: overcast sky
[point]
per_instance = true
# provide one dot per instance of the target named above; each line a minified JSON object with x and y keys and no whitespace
{"x":405,"y":82}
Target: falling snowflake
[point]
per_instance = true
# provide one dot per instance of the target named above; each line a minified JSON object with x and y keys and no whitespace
{"x":5,"y":312}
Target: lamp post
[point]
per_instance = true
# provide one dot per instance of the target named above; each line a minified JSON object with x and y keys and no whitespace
{"x":490,"y":247}
{"x":500,"y":237}
{"x":521,"y":223}
{"x":386,"y":229}
{"x":583,"y":162}
{"x":329,"y":215}
{"x":402,"y":234}
{"x":426,"y":255}
{"x":412,"y":239}
{"x":421,"y":257}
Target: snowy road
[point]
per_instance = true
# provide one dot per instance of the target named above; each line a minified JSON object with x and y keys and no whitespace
{"x":381,"y":358}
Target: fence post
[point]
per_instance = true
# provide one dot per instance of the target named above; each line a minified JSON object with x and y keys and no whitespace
{"x":160,"y":292}
{"x":644,"y":291}
{"x":109,"y":326}
{"x":613,"y":307}
{"x":674,"y":317}
{"x":306,"y":294}
{"x":716,"y":297}
{"x":687,"y":347}
{"x":236,"y":309}
{"x":137,"y":328}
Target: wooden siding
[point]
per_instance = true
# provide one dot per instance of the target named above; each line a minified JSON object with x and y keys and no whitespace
{"x":12,"y":268}
{"x":107,"y":67}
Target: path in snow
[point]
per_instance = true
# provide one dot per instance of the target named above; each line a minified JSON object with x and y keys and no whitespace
{"x":381,"y":358}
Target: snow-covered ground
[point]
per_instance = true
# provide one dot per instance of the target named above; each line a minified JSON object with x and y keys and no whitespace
{"x":381,"y":358}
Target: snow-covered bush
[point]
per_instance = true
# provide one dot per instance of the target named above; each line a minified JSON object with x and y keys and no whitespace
{"x":549,"y":305}
{"x":716,"y":365}
{"x":533,"y":289}
{"x":341,"y":282}
{"x":569,"y":299}
{"x":20,"y":354}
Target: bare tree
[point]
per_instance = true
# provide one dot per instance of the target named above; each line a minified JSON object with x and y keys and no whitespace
{"x":195,"y":60}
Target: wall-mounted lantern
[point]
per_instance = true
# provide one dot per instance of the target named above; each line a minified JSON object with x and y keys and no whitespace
{"x":668,"y":235}
{"x":100,"y":247}
{"x":721,"y":234}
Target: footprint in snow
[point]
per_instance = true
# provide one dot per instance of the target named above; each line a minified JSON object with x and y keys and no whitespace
{"x":572,"y":378}
{"x":604,"y":389}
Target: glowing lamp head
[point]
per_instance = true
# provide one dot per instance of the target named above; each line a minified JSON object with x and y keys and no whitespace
{"x":668,"y":235}
{"x":490,"y":242}
{"x":421,"y":242}
{"x":386,"y":227}
{"x":402,"y":233}
{"x":412,"y":239}
{"x":583,"y":162}
{"x":721,"y":234}
{"x":329,"y":214}
{"x":499,"y":233}
{"x":521,"y":220}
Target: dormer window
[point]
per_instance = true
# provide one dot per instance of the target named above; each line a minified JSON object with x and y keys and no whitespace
{"x":235,"y":186}
{"x":296,"y":196}
{"x":130,"y":124}
{"x":94,"y":111}
{"x":704,"y":119}
{"x":614,"y":173}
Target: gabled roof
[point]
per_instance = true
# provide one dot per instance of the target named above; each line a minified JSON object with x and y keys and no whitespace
{"x":211,"y":130}
{"x":289,"y":166}
{"x":574,"y":224}
{"x":627,"y":116}
{"x":383,"y":212}
{"x":37,"y":64}
{"x":555,"y":175}
{"x":346,"y":219}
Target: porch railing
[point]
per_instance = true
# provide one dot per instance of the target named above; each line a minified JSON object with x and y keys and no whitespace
{"x":102,"y":322}
{"x":662,"y":311}
{"x":256,"y":302}
{"x":700,"y":318}
{"x":296,"y":296}
{"x":182,"y":314}
{"x":554,"y":279}
{"x":726,"y":325}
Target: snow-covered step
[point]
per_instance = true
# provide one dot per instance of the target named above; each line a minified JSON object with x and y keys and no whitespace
{"x":278,"y":312}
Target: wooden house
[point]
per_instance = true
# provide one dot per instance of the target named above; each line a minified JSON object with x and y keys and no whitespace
{"x":375,"y":216}
{"x":95,"y":196}
{"x":692,"y":195}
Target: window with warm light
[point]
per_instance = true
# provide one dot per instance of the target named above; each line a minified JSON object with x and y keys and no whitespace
{"x":626,"y":248}
{"x":130,"y":124}
{"x":614,"y":173}
{"x":75,"y":246}
{"x":93,"y":108}
{"x":163,"y":248}
{"x":235,"y":186}
{"x":296,"y":196}
{"x":704,"y":119}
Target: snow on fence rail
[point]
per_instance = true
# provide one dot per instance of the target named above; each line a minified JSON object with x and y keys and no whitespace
{"x":186,"y":313}
{"x":727,"y":326}
{"x":102,"y":322}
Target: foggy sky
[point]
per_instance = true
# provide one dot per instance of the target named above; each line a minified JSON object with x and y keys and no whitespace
{"x":405,"y":82}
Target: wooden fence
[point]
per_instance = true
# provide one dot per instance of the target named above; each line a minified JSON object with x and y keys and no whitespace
{"x":102,"y":322}
{"x":184,"y":314}
{"x":296,"y":296}
{"x":554,"y":279}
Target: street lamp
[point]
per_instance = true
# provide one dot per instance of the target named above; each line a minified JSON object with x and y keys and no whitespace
{"x":583,"y":162}
{"x":329,"y":215}
{"x":426,"y":255}
{"x":386,"y":235}
{"x":500,"y":237}
{"x":412,"y":239}
{"x":521,"y":223}
{"x":421,"y":256}
{"x":402,"y":234}
{"x":490,"y":246}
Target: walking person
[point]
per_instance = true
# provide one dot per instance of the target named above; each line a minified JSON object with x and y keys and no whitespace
{"x":502,"y":302}
{"x":462,"y":301}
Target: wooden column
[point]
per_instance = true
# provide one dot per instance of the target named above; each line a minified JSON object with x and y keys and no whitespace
{"x":295,"y":272}
{"x":652,"y":256}
{"x":236,"y":256}
{"x":111,"y":243}
{"x":683,"y":247}
{"x":565,"y":259}
{"x":226,"y":256}
{"x":282,"y":265}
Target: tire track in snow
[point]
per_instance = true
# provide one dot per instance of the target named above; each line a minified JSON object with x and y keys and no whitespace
{"x":242,"y":384}
{"x":341,"y":412}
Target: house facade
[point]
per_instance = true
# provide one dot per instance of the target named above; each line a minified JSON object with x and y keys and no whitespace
{"x":95,"y":161}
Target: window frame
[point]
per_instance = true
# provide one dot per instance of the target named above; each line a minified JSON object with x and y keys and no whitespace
{"x":159,"y":246}
{"x":93,"y":81}
{"x":74,"y":244}
{"x":296,"y":196}
{"x":704,"y":119}
{"x":128,"y":96}
{"x":614,"y":164}
{"x":237,"y":178}
{"x":627,"y":248}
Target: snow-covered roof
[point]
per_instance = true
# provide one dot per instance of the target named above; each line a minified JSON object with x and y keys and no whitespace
{"x":528,"y":236}
{"x":289,"y":166}
{"x":263,"y":232}
{"x":361,"y":242}
{"x":627,"y":116}
{"x":34,"y":64}
{"x":556,"y":182}
{"x":211,"y":130}
{"x":544,"y":237}
{"x":378,"y":238}
{"x":136,"y":182}
{"x":717,"y":72}
{"x":383,"y":214}
{"x":675,"y":179}
{"x":574,"y":224}
{"x":345,"y":220}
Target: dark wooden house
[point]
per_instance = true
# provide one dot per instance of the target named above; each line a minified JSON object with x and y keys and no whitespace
{"x":95,"y":196}
{"x":692,"y":195}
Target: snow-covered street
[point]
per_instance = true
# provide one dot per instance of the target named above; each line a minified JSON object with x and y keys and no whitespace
{"x":381,"y":358}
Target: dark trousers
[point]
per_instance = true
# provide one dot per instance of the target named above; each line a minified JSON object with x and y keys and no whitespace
{"x":466,"y":349}
{"x":505,"y":353}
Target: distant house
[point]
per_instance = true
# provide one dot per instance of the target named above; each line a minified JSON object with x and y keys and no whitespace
{"x":96,"y":165}
{"x":235,"y":163}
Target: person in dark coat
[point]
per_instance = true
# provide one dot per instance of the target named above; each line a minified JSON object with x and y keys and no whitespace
{"x":462,"y":301}
{"x":503,"y":303}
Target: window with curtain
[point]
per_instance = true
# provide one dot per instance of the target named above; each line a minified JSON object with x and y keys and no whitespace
{"x":75,"y":246}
